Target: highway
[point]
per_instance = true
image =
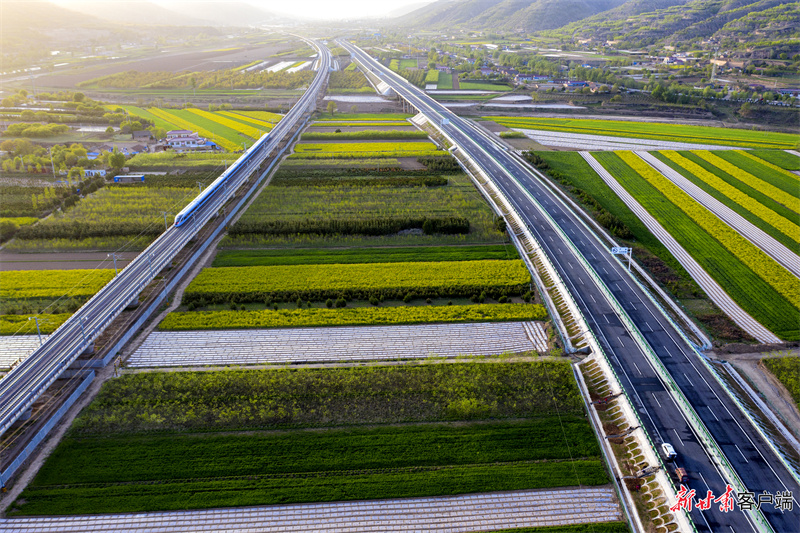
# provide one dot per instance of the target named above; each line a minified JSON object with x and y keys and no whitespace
{"x":25,"y":382}
{"x":754,"y":461}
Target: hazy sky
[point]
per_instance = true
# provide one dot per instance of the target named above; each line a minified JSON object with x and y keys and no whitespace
{"x":324,"y":9}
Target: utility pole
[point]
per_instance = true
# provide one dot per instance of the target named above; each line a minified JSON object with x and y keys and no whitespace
{"x":38,"y":331}
{"x":166,"y":227}
{"x":52,"y":165}
{"x":200,"y":185}
{"x":114,"y":255}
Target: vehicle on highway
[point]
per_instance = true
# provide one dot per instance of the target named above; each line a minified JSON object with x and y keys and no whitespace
{"x":668,"y":451}
{"x":681,"y":474}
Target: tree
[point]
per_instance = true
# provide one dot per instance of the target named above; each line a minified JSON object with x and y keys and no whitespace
{"x":116,"y":160}
{"x":78,"y":97}
{"x":110,"y":130}
{"x":332,"y":107}
{"x":354,"y":109}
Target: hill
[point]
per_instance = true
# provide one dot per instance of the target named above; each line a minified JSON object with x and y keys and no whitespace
{"x":510,"y":15}
{"x":685,"y":23}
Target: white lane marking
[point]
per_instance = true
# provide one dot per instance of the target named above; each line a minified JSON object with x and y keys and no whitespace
{"x":581,"y":281}
{"x":606,"y":317}
{"x":687,"y":379}
{"x":550,"y":237}
{"x":592,"y":297}
{"x":708,"y":487}
{"x":712,"y":413}
{"x":656,"y":399}
{"x":634,"y":307}
{"x":637,"y":367}
{"x":740,"y":453}
{"x":679,"y":437}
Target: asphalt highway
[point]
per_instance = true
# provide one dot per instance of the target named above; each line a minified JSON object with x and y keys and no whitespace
{"x":753,"y":460}
{"x":25,"y":382}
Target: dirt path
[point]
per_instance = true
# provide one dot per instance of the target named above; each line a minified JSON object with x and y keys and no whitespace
{"x":62,"y":260}
{"x":456,"y":83}
{"x":772,"y":391}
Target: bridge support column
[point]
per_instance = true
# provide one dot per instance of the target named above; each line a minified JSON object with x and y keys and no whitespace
{"x":26,"y":415}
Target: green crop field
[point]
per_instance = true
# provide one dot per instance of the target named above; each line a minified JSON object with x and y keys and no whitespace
{"x":778,"y":157}
{"x":158,"y":120}
{"x":650,"y":130}
{"x":150,"y":423}
{"x":445,"y":81}
{"x":229,"y":258}
{"x":753,"y":192}
{"x":358,"y":281}
{"x":262,"y":125}
{"x":363,"y":149}
{"x":756,"y":295}
{"x":20,"y":325}
{"x":368,"y":117}
{"x":363,"y":134}
{"x":351,"y":216}
{"x":483,"y":86}
{"x":51,"y":284}
{"x":169,"y":160}
{"x":787,"y":370}
{"x":236,"y":125}
{"x":358,"y":316}
{"x":781,"y":185}
{"x":357,"y":124}
{"x":780,"y":228}
{"x":265,"y":116}
{"x":227,"y":138}
{"x":113,"y":211}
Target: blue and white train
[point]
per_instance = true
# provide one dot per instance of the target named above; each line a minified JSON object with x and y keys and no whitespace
{"x":222,"y":181}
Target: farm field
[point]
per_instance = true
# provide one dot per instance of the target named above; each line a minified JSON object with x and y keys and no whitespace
{"x":648,"y":130}
{"x":228,"y":258}
{"x":359,"y":281}
{"x":361,"y":246}
{"x":355,"y":316}
{"x":105,"y":219}
{"x":753,"y":192}
{"x":20,"y":325}
{"x":25,"y":292}
{"x":780,"y":158}
{"x":169,"y":453}
{"x":324,"y":216}
{"x":482,"y":86}
{"x":364,"y":149}
{"x":758,"y":284}
{"x":787,"y":370}
{"x":784,"y":230}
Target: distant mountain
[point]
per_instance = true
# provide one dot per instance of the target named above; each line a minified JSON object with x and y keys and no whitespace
{"x":405,"y":10}
{"x":680,"y":23}
{"x":225,"y":13}
{"x":30,"y":31}
{"x":136,"y":12}
{"x":522,"y":15}
{"x":181,"y":13}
